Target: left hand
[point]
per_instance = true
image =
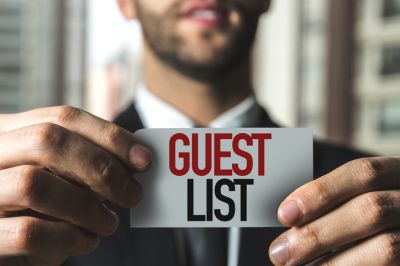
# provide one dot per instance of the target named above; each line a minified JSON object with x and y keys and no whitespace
{"x":350,"y":216}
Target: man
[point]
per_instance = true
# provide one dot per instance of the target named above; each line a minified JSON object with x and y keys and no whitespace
{"x":59,"y":164}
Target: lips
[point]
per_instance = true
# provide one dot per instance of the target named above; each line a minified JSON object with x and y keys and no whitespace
{"x":204,"y":14}
{"x":201,"y":12}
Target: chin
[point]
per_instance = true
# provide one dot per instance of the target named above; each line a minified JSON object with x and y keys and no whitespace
{"x":201,"y":56}
{"x":204,"y":51}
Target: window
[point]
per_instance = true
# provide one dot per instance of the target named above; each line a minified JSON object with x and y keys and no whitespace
{"x":390,"y":60}
{"x":9,"y":108}
{"x":312,"y":70}
{"x":378,"y":77}
{"x":391,"y":8}
{"x":390,"y":118}
{"x":10,"y":32}
{"x":33,"y":59}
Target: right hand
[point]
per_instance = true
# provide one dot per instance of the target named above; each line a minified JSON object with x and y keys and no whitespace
{"x":57,"y":164}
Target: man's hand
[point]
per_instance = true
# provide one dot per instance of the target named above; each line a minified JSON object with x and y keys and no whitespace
{"x":348,"y":217}
{"x":56,"y":166}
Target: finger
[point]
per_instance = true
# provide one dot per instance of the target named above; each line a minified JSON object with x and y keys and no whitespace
{"x":322,"y":195}
{"x":109,"y":136}
{"x":71,"y":156}
{"x":28,"y":187}
{"x":22,"y":260}
{"x":382,"y":249}
{"x":28,"y":236}
{"x":357,"y":219}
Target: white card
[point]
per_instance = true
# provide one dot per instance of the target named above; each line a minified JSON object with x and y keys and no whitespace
{"x":221,"y":177}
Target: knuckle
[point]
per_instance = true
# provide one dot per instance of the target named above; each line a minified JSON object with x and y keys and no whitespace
{"x":28,"y":185}
{"x":25,"y":231}
{"x":375,"y":209}
{"x":321,"y":192}
{"x":64,"y":114}
{"x":46,"y":136}
{"x":368,"y":171}
{"x":112,"y":135}
{"x":388,"y":247}
{"x":27,"y":171}
{"x":107,"y":167}
{"x":311,"y":236}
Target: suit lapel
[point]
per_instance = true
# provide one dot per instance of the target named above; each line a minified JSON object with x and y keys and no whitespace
{"x":143,"y":243}
{"x":255,"y":241}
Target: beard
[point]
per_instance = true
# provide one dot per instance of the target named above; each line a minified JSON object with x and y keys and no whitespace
{"x":216,"y":62}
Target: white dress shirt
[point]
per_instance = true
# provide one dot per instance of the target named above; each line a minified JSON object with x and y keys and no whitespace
{"x":155,"y":113}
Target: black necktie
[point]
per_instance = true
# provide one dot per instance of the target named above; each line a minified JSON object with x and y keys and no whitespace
{"x":206,"y":246}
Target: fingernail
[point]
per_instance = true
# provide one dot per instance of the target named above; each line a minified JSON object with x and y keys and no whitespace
{"x":140,"y":156}
{"x":111,"y":220}
{"x":290,"y":212}
{"x":133,"y":193}
{"x":279,"y":251}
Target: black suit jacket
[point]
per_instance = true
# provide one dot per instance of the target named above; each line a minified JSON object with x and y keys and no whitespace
{"x":158,"y":247}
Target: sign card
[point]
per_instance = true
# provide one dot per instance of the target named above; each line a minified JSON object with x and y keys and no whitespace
{"x":221,"y":177}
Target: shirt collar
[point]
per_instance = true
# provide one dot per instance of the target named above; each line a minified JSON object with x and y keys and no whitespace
{"x":155,"y":113}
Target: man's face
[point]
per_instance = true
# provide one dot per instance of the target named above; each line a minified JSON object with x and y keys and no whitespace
{"x":202,"y":39}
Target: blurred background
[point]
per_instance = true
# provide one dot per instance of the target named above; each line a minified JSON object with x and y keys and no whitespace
{"x":333,"y":65}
